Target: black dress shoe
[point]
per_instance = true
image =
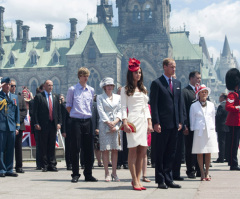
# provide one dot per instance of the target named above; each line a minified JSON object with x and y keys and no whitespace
{"x":173,"y":185}
{"x":191,"y":175}
{"x":125,"y":166}
{"x":109,"y":165}
{"x":19,"y":170}
{"x":44,"y":170}
{"x":218,"y":161}
{"x":2,"y":175}
{"x":118,"y":167}
{"x":91,"y":179}
{"x":54,"y":169}
{"x":38,"y":168}
{"x":236,"y":168}
{"x":162,"y":186}
{"x":198,"y":174}
{"x":11,"y":174}
{"x":75,"y":179}
{"x":178,"y":178}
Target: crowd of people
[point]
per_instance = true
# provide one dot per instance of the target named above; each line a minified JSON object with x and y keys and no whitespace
{"x":179,"y":124}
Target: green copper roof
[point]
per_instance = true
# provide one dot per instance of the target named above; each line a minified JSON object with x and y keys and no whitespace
{"x":101,"y":37}
{"x":183,"y":49}
{"x":113,"y":31}
{"x":45,"y":57}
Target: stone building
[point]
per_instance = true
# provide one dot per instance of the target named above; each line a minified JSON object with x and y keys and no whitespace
{"x":143,"y":32}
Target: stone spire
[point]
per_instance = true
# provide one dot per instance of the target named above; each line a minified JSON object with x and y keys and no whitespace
{"x":226,"y":49}
{"x":105,"y":13}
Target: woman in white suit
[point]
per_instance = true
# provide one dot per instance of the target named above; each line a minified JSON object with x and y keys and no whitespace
{"x":109,"y":109}
{"x":202,"y":122}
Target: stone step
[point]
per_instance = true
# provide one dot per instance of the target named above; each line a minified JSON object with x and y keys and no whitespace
{"x":29,"y":153}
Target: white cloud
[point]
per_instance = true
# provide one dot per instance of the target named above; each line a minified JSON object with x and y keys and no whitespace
{"x":36,"y":14}
{"x":213,"y":52}
{"x":213,"y":22}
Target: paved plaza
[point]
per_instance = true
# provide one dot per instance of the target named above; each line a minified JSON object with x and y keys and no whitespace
{"x":50,"y":185}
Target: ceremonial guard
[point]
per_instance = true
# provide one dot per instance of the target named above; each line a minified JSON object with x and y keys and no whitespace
{"x":9,"y":126}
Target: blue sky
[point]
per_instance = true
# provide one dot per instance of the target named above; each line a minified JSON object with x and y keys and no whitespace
{"x":212,"y":19}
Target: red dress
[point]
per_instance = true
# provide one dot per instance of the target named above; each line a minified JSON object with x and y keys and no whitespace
{"x":233,"y":118}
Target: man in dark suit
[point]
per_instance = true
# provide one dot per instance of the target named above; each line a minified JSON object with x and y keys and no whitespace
{"x":189,"y":96}
{"x":47,"y":119}
{"x":9,"y":126}
{"x":165,"y":100}
{"x":221,"y":128}
{"x":18,"y":139}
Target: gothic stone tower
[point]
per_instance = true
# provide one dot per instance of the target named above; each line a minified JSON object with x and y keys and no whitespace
{"x":144,"y":34}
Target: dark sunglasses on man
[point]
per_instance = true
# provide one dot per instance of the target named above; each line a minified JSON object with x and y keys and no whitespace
{"x":13,"y":86}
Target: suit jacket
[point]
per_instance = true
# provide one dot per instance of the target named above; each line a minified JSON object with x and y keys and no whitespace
{"x":221,"y":117}
{"x":166,"y":106}
{"x":23,"y":111}
{"x":41,"y":111}
{"x":188,"y":97}
{"x":95,"y":117}
{"x":9,"y":112}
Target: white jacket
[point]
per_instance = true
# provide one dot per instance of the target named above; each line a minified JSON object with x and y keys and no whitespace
{"x":199,"y":121}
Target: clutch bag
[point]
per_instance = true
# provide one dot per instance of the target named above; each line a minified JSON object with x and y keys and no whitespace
{"x":133,"y":128}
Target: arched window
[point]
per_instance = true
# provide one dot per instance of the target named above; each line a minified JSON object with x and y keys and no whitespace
{"x":148,"y":13}
{"x":91,"y":53}
{"x":136,"y":15}
{"x":33,"y":59}
{"x":56,"y":86}
{"x":12,"y":60}
{"x":94,"y":81}
{"x":33,"y":87}
{"x":55,"y":59}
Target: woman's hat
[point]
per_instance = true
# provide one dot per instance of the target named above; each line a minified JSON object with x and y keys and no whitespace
{"x":133,"y":64}
{"x":201,"y":88}
{"x":106,"y":81}
{"x":26,"y":95}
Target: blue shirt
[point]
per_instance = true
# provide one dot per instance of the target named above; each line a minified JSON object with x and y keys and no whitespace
{"x":47,"y":96}
{"x":80,"y":100}
{"x":167,"y":78}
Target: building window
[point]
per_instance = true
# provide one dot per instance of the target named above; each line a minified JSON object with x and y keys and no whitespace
{"x":94,"y":81}
{"x":92,"y":53}
{"x":12,"y":60}
{"x":136,"y":15}
{"x":55,"y":58}
{"x":56,"y":86}
{"x":148,"y":13}
{"x":33,"y":87}
{"x":33,"y":59}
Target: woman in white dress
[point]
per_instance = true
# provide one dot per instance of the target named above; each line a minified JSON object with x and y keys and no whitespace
{"x":135,"y":110}
{"x":202,"y":122}
{"x":110,"y":115}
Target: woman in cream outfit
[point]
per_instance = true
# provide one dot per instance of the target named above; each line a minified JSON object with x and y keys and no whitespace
{"x":109,"y":110}
{"x":135,"y":110}
{"x":202,"y":122}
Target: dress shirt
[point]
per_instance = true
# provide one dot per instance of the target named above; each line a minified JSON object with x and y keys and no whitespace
{"x":47,"y":96}
{"x":80,"y":100}
{"x":193,"y":87}
{"x":167,"y":78}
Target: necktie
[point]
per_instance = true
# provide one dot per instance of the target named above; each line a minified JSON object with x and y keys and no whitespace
{"x":170,"y":84}
{"x":50,"y":107}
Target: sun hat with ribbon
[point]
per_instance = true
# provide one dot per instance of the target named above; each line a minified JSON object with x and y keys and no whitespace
{"x":201,"y":88}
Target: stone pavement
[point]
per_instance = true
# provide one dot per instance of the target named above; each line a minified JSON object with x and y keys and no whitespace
{"x":49,"y":185}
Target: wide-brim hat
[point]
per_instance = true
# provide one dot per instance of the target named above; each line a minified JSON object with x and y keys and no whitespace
{"x":201,"y":88}
{"x":106,"y":81}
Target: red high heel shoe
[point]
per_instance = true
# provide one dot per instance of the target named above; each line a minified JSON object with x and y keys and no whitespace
{"x":143,"y":188}
{"x":135,"y":188}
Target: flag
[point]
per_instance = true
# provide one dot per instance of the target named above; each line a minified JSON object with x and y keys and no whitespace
{"x":26,"y":139}
{"x":57,"y":144}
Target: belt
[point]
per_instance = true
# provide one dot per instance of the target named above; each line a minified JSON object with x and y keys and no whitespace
{"x":80,"y":120}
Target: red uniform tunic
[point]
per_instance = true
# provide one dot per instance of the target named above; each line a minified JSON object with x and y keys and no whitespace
{"x":233,"y":118}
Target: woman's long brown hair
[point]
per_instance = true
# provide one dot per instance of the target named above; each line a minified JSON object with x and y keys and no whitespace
{"x":130,"y":88}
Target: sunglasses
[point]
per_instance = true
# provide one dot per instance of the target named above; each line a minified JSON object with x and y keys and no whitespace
{"x":13,"y":86}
